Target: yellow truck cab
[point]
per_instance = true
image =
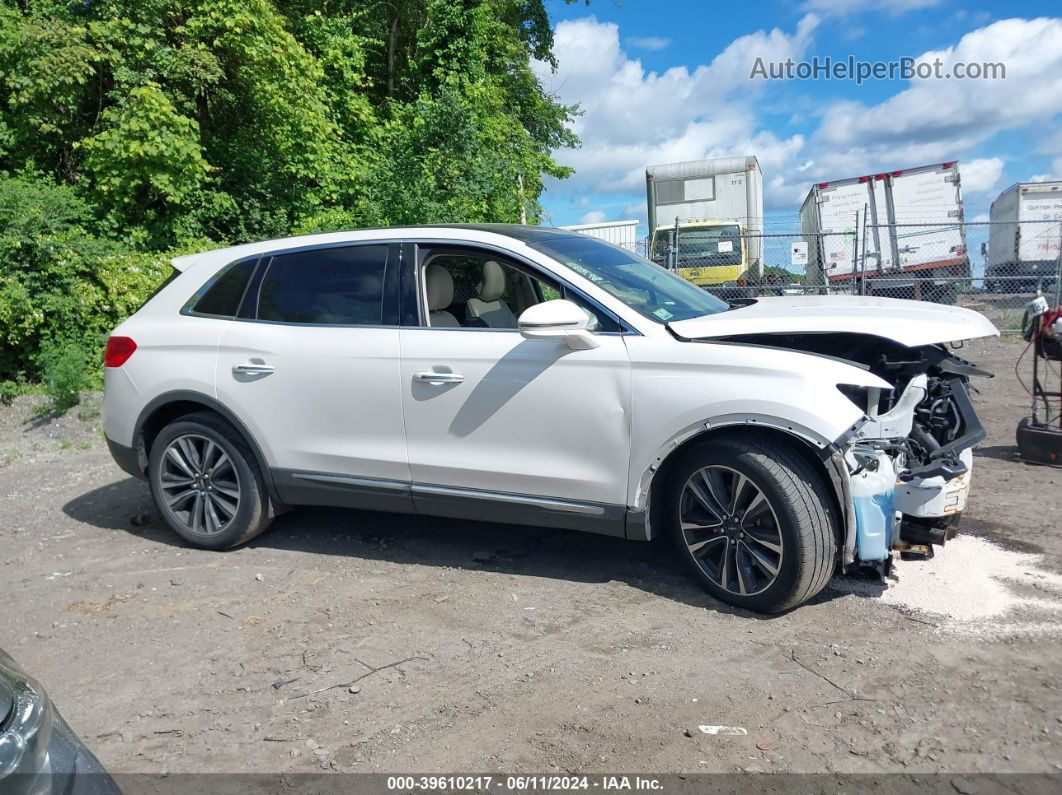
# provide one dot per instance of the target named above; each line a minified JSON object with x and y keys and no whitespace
{"x":707,"y":253}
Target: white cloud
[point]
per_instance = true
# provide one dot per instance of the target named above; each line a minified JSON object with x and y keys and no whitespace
{"x":937,"y":120}
{"x":1051,"y":144}
{"x":939,"y":109}
{"x":840,"y":8}
{"x":632,"y":117}
{"x":980,"y":176}
{"x":1056,"y":173}
{"x":970,"y":18}
{"x":593,"y":217}
{"x":650,"y":43}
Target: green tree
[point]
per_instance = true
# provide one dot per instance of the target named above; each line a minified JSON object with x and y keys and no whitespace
{"x":131,"y":128}
{"x":236,"y":119}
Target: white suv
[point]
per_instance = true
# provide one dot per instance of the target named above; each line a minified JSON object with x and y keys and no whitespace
{"x":535,"y":376}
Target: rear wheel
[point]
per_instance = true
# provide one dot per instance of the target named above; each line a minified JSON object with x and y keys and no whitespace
{"x":206,"y":482}
{"x":753,"y":522}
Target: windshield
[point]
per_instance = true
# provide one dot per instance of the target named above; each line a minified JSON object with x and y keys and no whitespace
{"x":646,"y":288}
{"x":717,"y":245}
{"x":708,"y":245}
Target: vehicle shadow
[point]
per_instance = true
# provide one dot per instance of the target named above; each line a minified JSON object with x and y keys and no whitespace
{"x":429,"y":541}
{"x":506,"y":377}
{"x":1000,"y":452}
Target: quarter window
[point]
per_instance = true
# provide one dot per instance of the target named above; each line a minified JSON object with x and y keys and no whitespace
{"x":335,"y":286}
{"x":222,"y":297}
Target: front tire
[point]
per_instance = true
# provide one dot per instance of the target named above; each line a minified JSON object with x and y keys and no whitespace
{"x":753,"y":522}
{"x":206,"y":483}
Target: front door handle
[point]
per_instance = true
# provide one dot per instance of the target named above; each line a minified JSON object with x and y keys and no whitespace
{"x":438,"y":378}
{"x":250,"y":368}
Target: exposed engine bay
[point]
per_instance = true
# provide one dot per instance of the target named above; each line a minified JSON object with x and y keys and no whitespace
{"x":909,"y":462}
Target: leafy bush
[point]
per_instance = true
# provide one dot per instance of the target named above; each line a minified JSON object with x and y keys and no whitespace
{"x":128,"y":128}
{"x":64,"y":371}
{"x":9,"y":390}
{"x":58,"y":281}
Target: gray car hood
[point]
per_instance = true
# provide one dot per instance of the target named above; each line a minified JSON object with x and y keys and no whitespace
{"x":910,"y":323}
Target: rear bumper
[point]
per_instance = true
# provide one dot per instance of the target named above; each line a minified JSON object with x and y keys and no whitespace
{"x":127,"y":458}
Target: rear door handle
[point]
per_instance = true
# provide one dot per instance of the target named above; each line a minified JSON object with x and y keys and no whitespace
{"x":438,"y":378}
{"x":249,"y":368}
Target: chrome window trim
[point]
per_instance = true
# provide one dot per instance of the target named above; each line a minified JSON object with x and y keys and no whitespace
{"x":504,"y":330}
{"x":416,"y":242}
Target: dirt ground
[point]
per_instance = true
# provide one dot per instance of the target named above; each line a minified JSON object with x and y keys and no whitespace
{"x":369,"y":642}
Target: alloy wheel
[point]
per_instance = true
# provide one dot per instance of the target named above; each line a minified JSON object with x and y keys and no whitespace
{"x":731,"y":530}
{"x":199,"y":484}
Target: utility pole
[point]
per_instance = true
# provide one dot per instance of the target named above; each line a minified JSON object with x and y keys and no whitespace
{"x":523,"y":204}
{"x":863,"y":264}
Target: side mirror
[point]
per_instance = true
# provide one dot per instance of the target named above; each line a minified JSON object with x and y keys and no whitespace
{"x":558,"y":320}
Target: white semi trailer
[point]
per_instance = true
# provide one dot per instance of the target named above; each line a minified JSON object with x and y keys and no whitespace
{"x":1025,"y":238}
{"x":706,"y":219}
{"x":621,"y":233}
{"x":914,"y":243}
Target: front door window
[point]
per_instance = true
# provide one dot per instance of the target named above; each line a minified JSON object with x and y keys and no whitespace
{"x":475,"y":290}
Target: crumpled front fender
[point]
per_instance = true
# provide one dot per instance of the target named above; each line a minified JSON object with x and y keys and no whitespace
{"x":679,"y":391}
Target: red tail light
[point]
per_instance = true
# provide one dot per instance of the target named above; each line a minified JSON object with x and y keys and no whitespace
{"x":118,"y":351}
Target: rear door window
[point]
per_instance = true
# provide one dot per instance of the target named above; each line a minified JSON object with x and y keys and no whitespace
{"x":330,"y":286}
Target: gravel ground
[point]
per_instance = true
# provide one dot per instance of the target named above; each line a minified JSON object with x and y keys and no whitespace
{"x":354,"y":641}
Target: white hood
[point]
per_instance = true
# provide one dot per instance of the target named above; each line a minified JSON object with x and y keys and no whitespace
{"x":909,"y":323}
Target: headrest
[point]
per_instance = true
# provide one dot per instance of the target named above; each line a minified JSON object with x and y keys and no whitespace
{"x":491,"y":286}
{"x":440,"y":287}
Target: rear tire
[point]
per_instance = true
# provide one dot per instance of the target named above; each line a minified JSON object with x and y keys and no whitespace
{"x":206,"y":482}
{"x":753,"y":522}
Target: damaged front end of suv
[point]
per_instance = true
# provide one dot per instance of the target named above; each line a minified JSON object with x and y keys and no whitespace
{"x":902,"y":471}
{"x":909,"y":460}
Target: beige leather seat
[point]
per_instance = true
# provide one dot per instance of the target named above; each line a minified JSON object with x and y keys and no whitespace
{"x":439,"y":285}
{"x":488,"y":306}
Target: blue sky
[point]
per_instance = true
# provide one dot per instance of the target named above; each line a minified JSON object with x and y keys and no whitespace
{"x":669,"y":80}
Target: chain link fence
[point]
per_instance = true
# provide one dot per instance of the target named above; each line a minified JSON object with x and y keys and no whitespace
{"x":993,"y":267}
